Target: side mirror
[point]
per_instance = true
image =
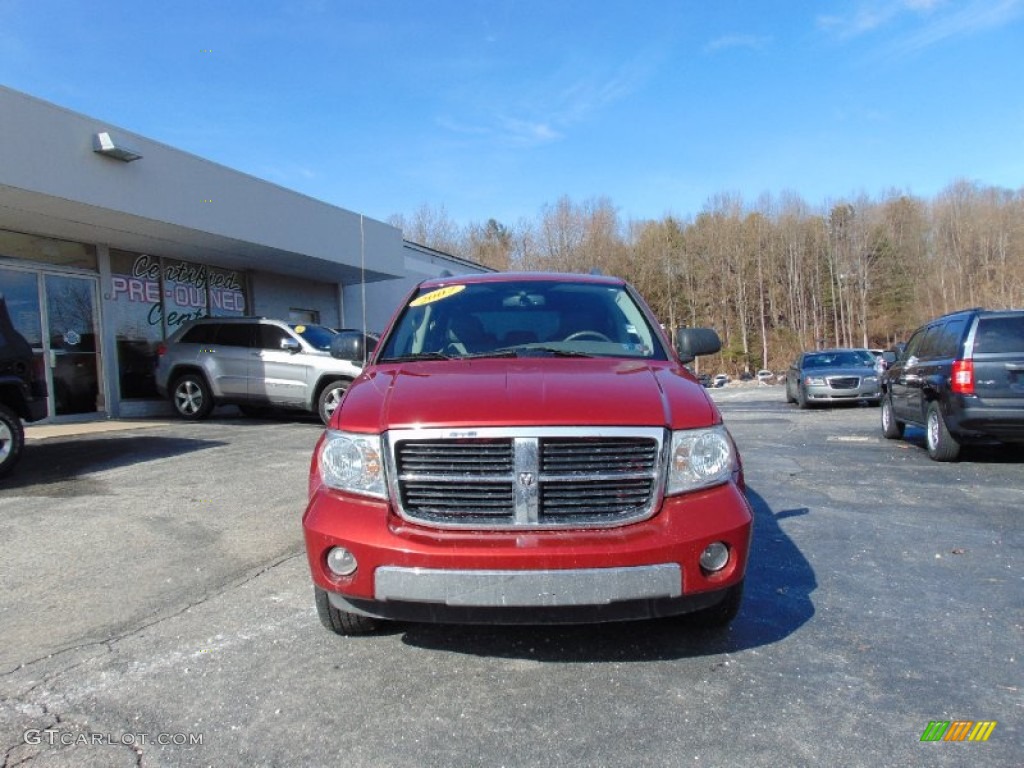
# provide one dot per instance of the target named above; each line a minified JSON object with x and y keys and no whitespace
{"x":290,"y":345}
{"x":694,"y":342}
{"x":349,"y":345}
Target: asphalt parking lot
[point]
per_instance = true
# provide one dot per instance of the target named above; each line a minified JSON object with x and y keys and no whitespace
{"x":156,"y":610}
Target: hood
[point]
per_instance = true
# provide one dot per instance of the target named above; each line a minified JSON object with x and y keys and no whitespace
{"x":525,"y":392}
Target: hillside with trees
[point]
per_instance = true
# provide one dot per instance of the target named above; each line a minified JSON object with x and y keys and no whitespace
{"x":775,"y":276}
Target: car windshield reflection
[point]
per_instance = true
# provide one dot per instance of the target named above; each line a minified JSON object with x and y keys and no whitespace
{"x":527,"y":318}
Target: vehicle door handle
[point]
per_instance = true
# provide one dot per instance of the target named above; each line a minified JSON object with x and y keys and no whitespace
{"x":1014,"y":366}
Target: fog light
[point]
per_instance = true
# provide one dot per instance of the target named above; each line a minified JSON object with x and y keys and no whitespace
{"x":341,"y":562}
{"x":714,"y":557}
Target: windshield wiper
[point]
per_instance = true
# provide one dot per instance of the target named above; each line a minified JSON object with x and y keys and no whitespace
{"x":507,"y":352}
{"x":553,"y":351}
{"x":420,"y":356}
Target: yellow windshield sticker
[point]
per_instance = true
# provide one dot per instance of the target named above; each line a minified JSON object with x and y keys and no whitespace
{"x":300,"y":329}
{"x":440,"y":293}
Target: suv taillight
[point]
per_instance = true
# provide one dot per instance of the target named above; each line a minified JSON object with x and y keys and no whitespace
{"x":963,"y":377}
{"x":161,"y":350}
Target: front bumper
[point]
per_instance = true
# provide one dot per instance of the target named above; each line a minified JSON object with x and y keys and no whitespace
{"x":819,"y":393}
{"x":415,"y":573}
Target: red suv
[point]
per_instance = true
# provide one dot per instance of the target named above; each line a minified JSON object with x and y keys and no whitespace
{"x":525,"y":448}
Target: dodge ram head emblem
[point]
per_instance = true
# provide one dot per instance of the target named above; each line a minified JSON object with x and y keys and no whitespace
{"x":526,"y":478}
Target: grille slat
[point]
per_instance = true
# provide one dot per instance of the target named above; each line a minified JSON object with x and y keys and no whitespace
{"x":844,"y":382}
{"x":489,"y":481}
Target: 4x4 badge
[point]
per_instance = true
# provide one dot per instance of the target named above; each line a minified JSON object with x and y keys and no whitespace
{"x":526,"y":478}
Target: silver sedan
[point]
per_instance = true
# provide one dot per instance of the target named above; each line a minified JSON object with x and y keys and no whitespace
{"x":833,"y":376}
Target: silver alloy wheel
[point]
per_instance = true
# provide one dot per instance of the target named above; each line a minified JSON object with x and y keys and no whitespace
{"x":188,"y":398}
{"x":332,"y":400}
{"x":886,"y":415}
{"x":932,"y":431}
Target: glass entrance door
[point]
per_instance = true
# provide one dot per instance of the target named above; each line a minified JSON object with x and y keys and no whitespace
{"x":72,"y":331}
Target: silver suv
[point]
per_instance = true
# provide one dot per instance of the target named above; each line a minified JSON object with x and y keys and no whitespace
{"x":254,"y":363}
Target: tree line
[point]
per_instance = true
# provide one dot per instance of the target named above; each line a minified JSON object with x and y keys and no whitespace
{"x":775,"y":276}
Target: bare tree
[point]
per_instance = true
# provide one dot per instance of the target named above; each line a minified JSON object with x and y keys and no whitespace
{"x":782,"y":276}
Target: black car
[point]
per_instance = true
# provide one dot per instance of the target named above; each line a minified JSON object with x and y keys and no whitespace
{"x":22,"y":392}
{"x":961,"y":377}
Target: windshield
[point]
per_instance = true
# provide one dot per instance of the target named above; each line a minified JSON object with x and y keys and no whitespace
{"x":523,"y":318}
{"x":845,"y":358}
{"x":315,"y":335}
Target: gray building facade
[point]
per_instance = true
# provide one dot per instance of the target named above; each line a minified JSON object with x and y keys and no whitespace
{"x":109,"y":241}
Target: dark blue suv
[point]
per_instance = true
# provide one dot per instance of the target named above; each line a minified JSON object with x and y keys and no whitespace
{"x":961,"y":377}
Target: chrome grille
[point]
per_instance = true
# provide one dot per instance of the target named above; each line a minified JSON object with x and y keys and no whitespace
{"x":844,"y":382}
{"x":516,"y":478}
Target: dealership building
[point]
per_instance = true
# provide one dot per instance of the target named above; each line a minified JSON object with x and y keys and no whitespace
{"x":109,"y":241}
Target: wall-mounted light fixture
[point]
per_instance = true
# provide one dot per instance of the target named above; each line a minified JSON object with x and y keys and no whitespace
{"x":105,"y":145}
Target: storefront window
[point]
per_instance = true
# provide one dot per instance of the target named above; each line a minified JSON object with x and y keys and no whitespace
{"x":20,"y":291}
{"x":184,"y":293}
{"x":227,"y":294}
{"x":151,"y":298}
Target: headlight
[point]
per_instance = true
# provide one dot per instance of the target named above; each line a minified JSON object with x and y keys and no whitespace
{"x":351,"y":462}
{"x":700,"y":457}
{"x":870,"y":379}
{"x":815,"y":381}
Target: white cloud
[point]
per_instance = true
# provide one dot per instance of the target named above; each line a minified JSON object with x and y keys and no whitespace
{"x":753,"y":42}
{"x":545,"y":113}
{"x":528,"y":133}
{"x":977,"y":17}
{"x":867,"y":18}
{"x":934,"y":20}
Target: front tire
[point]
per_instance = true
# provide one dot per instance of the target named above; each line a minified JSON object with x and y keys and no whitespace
{"x":341,"y":622}
{"x":892,"y":428}
{"x":192,"y":397}
{"x":330,"y":398}
{"x":801,"y":397}
{"x":942,"y":446}
{"x":12,"y":439}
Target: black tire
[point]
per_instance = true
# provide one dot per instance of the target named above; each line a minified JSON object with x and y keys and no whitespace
{"x":721,"y":614}
{"x":330,"y":398}
{"x":191,"y":397}
{"x":12,"y":439}
{"x":801,"y":397}
{"x":942,"y":446}
{"x":341,"y":622}
{"x":892,"y":428}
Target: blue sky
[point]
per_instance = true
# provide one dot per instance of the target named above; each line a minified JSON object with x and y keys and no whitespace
{"x":495,"y":108}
